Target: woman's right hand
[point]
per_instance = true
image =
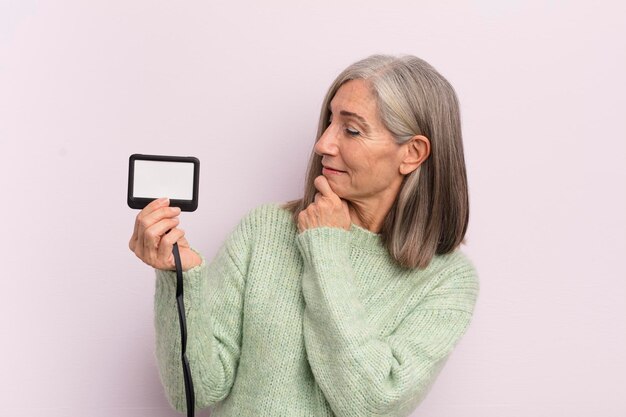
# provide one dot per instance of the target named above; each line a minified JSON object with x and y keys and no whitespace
{"x":151,"y":241}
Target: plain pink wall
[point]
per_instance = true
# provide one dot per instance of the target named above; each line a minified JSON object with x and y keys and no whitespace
{"x":85,"y":84}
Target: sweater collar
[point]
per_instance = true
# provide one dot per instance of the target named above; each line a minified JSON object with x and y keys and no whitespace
{"x":366,"y":239}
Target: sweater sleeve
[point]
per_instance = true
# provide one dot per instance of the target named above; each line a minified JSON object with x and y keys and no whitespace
{"x":213,"y":298}
{"x":360,"y":373}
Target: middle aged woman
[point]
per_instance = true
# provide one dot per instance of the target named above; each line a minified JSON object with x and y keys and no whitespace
{"x":346,"y":302}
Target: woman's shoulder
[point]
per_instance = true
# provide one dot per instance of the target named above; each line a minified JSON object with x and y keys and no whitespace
{"x":460,"y":271}
{"x":453,"y":268}
{"x":457,"y":262}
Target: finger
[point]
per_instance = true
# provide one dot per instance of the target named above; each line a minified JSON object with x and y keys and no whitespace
{"x":317,"y":197}
{"x":155,"y":217}
{"x":166,"y":245}
{"x":151,"y":208}
{"x":155,"y":232}
{"x":153,"y":205}
{"x":153,"y":235}
{"x":322,"y":185}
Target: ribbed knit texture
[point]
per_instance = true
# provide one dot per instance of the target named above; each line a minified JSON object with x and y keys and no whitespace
{"x":319,"y":323}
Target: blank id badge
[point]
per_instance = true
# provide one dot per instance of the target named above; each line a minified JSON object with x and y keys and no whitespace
{"x":154,"y":176}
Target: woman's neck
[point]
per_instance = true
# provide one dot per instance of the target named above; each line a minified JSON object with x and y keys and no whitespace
{"x":370,"y":216}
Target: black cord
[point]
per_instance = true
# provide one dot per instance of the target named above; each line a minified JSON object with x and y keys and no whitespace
{"x":189,"y":393}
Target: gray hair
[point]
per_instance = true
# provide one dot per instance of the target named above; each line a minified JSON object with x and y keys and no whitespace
{"x":431,"y":212}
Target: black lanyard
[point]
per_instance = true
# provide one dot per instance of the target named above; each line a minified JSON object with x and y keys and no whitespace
{"x":189,"y":394}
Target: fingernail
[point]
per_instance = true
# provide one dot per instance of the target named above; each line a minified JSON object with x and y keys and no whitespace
{"x":163,"y":200}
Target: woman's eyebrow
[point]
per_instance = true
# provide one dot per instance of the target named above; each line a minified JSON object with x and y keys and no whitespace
{"x":359,"y":118}
{"x":356,"y":116}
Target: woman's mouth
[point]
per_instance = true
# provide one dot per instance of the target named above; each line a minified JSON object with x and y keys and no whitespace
{"x":330,"y":171}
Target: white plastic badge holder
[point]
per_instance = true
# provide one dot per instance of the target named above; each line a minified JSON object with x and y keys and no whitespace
{"x":155,"y":176}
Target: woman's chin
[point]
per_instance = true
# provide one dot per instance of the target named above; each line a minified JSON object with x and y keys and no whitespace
{"x":335,"y":189}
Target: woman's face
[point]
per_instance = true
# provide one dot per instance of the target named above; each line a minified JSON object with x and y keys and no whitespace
{"x":358,"y":145}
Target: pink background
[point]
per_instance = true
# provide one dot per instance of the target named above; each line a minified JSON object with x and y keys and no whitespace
{"x":83,"y":84}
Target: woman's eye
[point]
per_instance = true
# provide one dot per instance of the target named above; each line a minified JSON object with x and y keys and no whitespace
{"x":352,"y":132}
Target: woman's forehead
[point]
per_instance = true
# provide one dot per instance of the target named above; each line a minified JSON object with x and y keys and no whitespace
{"x":353,"y":96}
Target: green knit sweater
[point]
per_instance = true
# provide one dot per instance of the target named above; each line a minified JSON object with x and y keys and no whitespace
{"x":319,"y":323}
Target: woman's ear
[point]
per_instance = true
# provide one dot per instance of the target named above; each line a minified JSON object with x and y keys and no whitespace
{"x":417,"y":150}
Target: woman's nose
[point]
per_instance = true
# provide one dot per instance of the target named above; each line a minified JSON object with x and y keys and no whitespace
{"x":327,"y":143}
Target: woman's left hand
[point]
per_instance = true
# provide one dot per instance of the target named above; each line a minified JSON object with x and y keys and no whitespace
{"x":327,"y":209}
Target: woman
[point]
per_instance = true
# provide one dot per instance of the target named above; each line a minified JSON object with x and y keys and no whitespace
{"x":348,"y":301}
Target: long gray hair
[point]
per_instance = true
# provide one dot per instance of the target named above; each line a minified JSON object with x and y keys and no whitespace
{"x":431,"y":212}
